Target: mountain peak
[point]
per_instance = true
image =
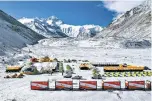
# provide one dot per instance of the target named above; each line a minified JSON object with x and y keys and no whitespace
{"x":52,"y":18}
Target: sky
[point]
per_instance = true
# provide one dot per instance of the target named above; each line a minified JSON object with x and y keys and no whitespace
{"x":70,"y":12}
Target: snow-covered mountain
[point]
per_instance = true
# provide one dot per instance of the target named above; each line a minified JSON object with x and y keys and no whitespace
{"x":54,"y":27}
{"x":14,"y":35}
{"x":82,"y":32}
{"x":47,"y":27}
{"x":131,"y":29}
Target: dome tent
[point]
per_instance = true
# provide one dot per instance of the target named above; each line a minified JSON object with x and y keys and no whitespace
{"x":45,"y":67}
{"x":30,"y":70}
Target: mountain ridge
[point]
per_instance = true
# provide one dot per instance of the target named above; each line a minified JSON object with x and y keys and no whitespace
{"x":15,"y":35}
{"x":132,"y":27}
{"x":54,"y":27}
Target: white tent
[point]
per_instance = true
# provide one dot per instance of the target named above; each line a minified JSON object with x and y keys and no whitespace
{"x":45,"y":66}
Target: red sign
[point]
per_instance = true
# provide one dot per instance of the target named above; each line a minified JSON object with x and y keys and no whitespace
{"x":135,"y":85}
{"x":88,"y":85}
{"x":111,"y":85}
{"x":62,"y":85}
{"x":39,"y":85}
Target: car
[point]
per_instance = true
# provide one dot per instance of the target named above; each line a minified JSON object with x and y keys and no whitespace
{"x":67,"y":76}
{"x":77,"y":77}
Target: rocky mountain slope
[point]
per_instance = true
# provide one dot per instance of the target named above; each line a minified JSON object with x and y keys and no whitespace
{"x":54,"y":27}
{"x":14,"y":35}
{"x":132,"y":29}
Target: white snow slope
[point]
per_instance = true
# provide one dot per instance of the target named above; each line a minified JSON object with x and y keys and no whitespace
{"x":54,"y":27}
{"x":14,"y":35}
{"x":131,"y":30}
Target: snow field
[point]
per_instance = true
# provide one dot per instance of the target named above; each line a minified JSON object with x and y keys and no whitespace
{"x":19,"y":89}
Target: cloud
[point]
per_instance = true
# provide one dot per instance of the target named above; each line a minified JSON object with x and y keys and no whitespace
{"x":121,"y":6}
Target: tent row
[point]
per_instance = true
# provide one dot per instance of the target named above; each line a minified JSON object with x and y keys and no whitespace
{"x":92,"y":85}
{"x":128,"y":74}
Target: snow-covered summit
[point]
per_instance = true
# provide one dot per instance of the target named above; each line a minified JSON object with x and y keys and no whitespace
{"x":54,"y":27}
{"x":53,"y":20}
{"x":46,"y":27}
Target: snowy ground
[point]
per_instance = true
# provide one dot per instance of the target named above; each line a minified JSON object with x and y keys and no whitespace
{"x":19,"y":89}
{"x":93,"y":54}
